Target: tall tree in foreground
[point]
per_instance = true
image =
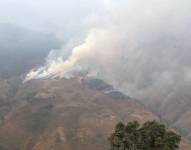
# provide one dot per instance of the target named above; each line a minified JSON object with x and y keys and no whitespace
{"x":149,"y":136}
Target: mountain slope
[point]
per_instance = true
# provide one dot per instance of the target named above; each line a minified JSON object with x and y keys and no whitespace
{"x":62,"y":114}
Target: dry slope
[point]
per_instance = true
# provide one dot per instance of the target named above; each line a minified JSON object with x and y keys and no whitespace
{"x":62,"y":114}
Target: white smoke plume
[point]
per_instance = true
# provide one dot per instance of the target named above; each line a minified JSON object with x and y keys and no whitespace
{"x":138,"y":46}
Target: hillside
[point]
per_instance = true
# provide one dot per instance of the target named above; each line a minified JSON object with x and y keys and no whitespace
{"x":62,"y":114}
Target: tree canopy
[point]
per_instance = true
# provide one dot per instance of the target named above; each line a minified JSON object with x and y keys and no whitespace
{"x":149,"y":136}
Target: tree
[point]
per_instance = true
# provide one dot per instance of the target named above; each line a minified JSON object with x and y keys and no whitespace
{"x":118,"y":137}
{"x":150,"y":136}
{"x":132,"y":139}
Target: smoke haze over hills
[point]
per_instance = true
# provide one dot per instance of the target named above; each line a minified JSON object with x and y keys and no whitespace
{"x":141,"y":47}
{"x":22,"y":48}
{"x":135,"y":45}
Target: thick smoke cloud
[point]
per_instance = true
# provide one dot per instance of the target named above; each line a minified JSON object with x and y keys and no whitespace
{"x":140,"y":46}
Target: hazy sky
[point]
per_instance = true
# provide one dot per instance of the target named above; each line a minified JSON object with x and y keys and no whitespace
{"x":61,"y":17}
{"x":65,"y":17}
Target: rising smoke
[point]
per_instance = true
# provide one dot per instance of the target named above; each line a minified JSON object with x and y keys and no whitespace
{"x":140,"y":46}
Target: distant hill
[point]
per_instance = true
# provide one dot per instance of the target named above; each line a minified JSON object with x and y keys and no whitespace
{"x":21,"y":49}
{"x":175,"y":109}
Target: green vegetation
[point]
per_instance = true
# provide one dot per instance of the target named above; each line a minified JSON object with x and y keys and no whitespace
{"x":149,"y":136}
